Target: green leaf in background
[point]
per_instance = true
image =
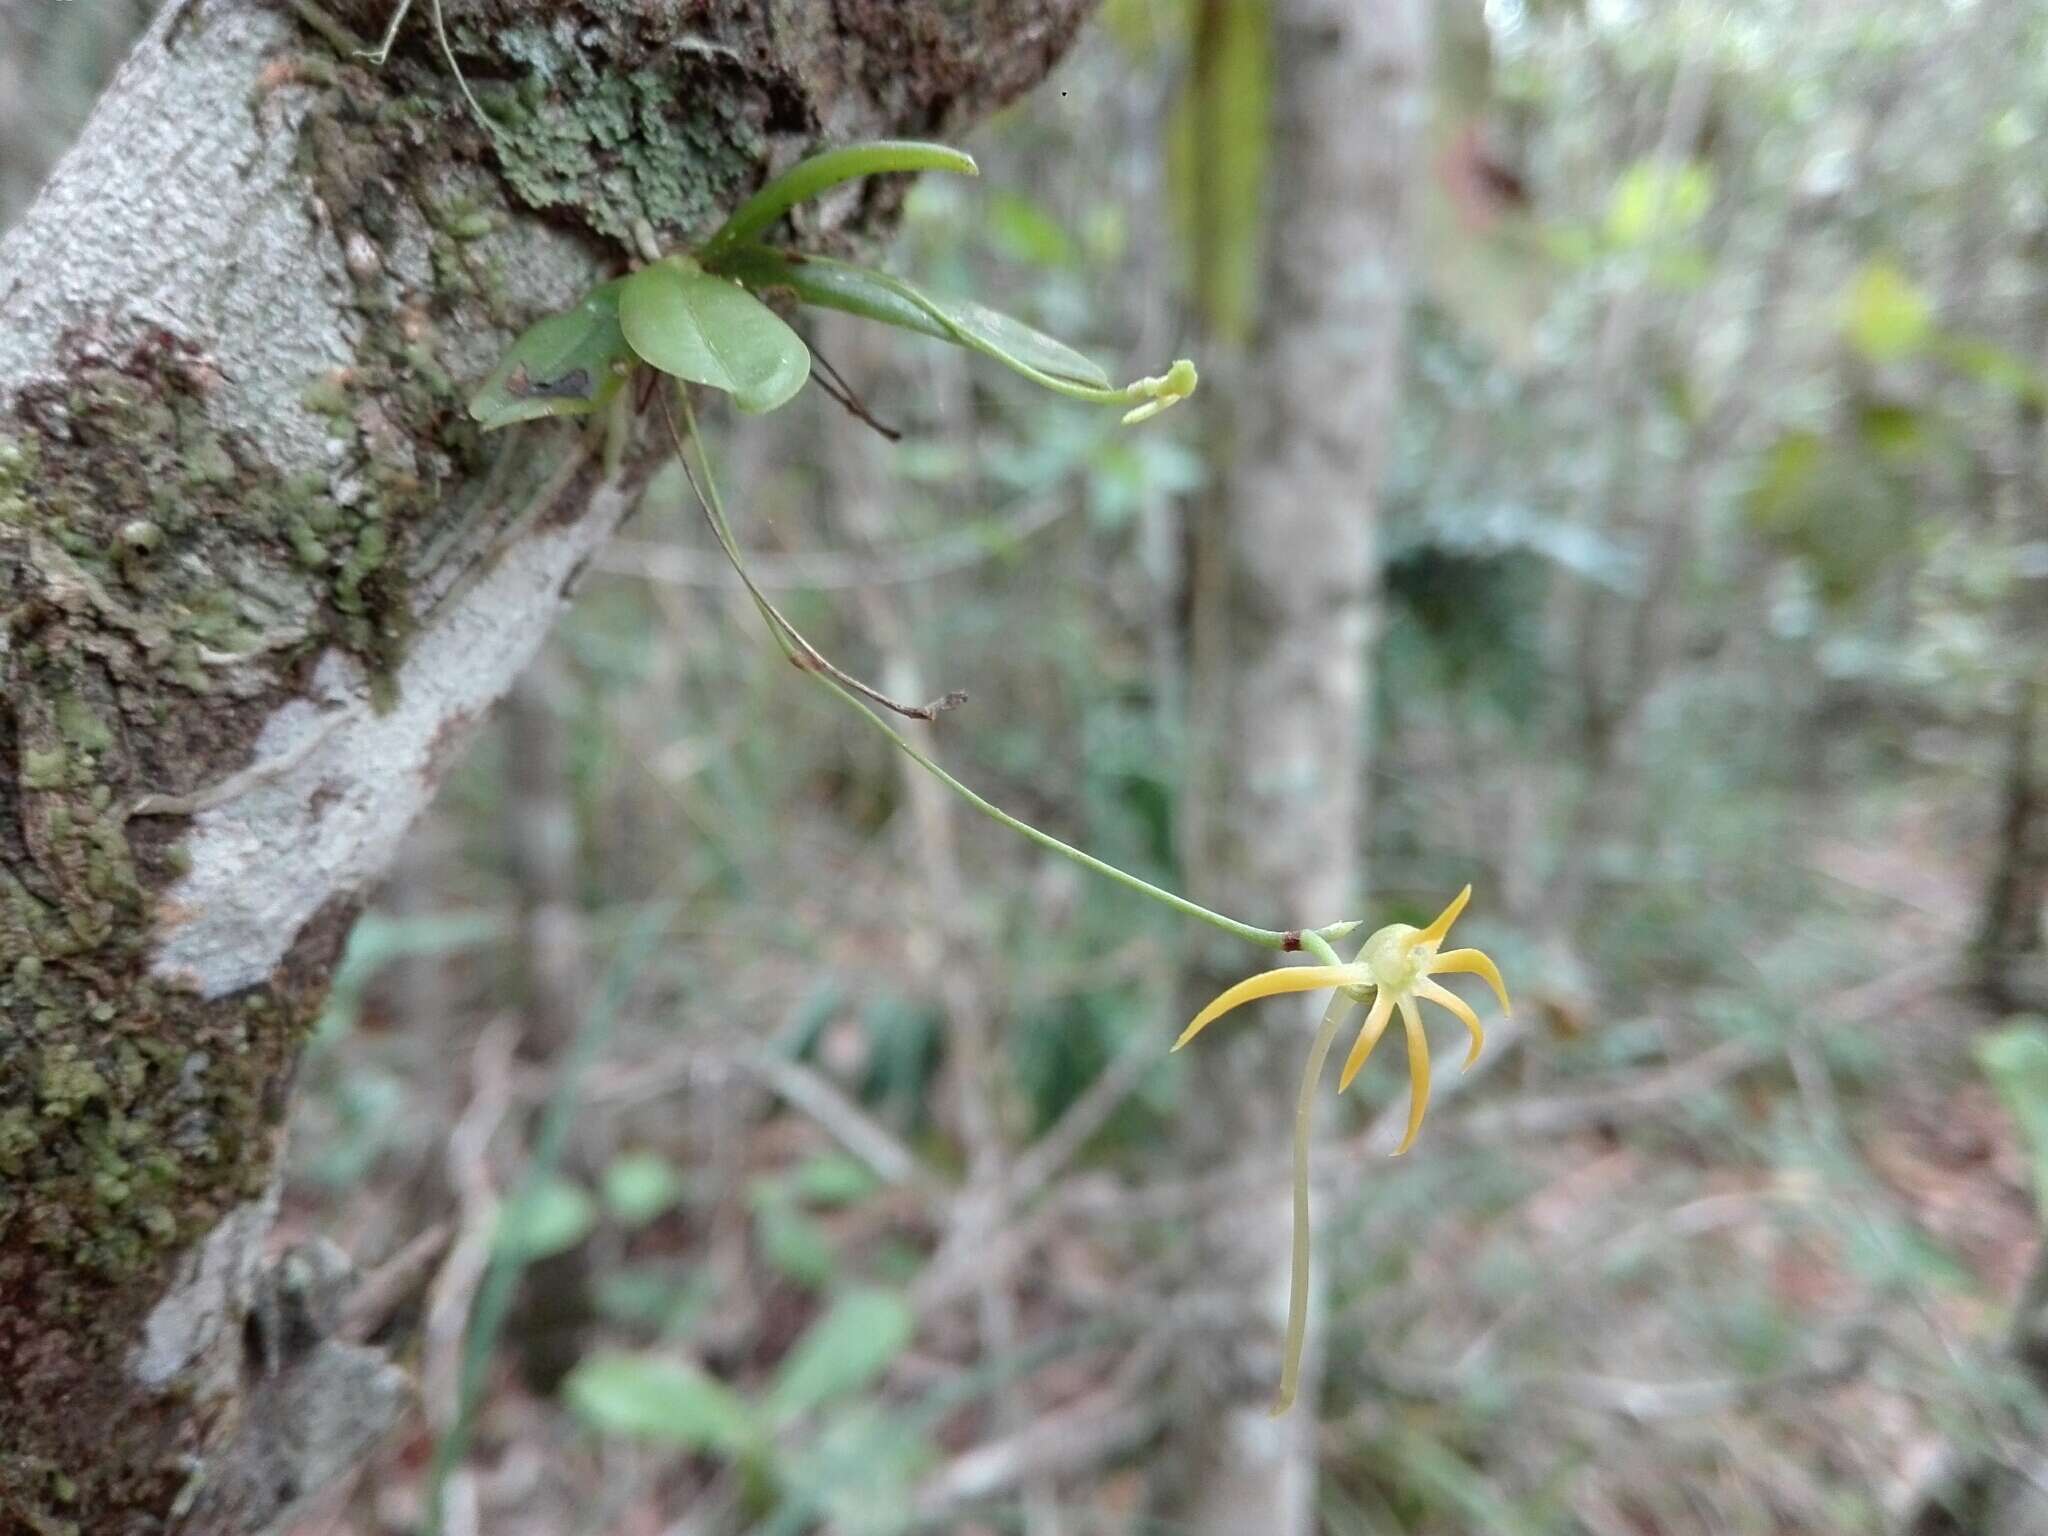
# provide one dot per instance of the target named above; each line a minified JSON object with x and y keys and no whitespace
{"x":2016,"y":1061}
{"x":1784,"y":479}
{"x":658,"y":1398}
{"x":1219,"y":141}
{"x":860,"y":1470}
{"x":1891,"y":1254}
{"x":1842,"y":504}
{"x":661,"y":1296}
{"x":639,"y":1186}
{"x":833,"y":1179}
{"x":569,"y":364}
{"x":1654,"y":201}
{"x":790,"y":1240}
{"x":378,"y":941}
{"x":878,"y":296}
{"x":711,"y":331}
{"x":553,"y":1218}
{"x":1995,"y":367}
{"x":822,"y":172}
{"x":1897,"y":433}
{"x":1140,"y":27}
{"x":903,"y":1035}
{"x":843,"y":1351}
{"x":1885,"y":316}
{"x":1446,"y":1479}
{"x":367,"y":1107}
{"x":1022,"y":231}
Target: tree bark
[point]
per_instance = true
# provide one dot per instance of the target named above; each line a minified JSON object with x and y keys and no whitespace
{"x":1282,"y":574}
{"x":2010,"y":943}
{"x":259,"y":575}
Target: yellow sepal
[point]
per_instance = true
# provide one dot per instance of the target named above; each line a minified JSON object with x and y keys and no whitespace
{"x":1477,"y":963}
{"x":1434,"y":933}
{"x":1444,"y":997}
{"x":1368,"y":1037}
{"x":1418,"y":1072}
{"x":1289,"y":978}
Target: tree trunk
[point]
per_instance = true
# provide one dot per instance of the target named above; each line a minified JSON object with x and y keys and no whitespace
{"x":1282,"y":571}
{"x":2012,"y":947}
{"x":258,"y":576}
{"x":2010,"y":943}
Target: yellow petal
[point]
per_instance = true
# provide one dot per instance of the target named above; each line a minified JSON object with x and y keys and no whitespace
{"x":1418,"y":1071}
{"x":1477,"y":963}
{"x":1444,"y":997}
{"x":1434,"y":933}
{"x":1289,"y":978}
{"x":1368,"y":1037}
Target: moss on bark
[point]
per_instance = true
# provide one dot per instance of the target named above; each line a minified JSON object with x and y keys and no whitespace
{"x":141,"y":552}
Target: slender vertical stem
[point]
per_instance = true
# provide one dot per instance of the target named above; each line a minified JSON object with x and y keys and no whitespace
{"x":1341,"y":1008}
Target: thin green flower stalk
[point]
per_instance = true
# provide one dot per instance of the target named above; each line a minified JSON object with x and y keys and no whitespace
{"x":1394,"y":966}
{"x":857,"y":694}
{"x":1300,"y":1271}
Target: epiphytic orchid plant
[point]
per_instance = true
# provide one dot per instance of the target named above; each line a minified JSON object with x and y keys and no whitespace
{"x":700,"y":317}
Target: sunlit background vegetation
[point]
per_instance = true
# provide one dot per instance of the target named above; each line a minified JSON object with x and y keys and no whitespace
{"x":777,"y":1148}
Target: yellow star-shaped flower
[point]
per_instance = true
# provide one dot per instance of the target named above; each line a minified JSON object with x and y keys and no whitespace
{"x":1396,"y":964}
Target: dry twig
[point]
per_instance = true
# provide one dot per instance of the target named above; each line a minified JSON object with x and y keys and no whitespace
{"x":454,"y":1289}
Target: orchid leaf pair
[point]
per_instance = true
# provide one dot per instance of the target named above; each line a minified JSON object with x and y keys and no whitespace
{"x":700,"y":316}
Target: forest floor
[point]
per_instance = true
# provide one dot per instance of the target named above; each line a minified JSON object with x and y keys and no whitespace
{"x":1757,"y":1306}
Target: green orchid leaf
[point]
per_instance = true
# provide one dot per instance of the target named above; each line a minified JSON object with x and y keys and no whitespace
{"x":828,"y":285}
{"x":842,"y":1352}
{"x":552,"y":1217}
{"x":659,"y":1399}
{"x":640,"y":1186}
{"x":570,"y":364}
{"x":821,"y":172}
{"x":710,"y":330}
{"x":1011,"y":341}
{"x":874,"y":295}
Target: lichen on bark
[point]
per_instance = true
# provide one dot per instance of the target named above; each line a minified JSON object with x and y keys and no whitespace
{"x":141,"y":553}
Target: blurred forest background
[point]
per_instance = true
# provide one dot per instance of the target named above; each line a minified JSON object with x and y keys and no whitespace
{"x":1619,"y":481}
